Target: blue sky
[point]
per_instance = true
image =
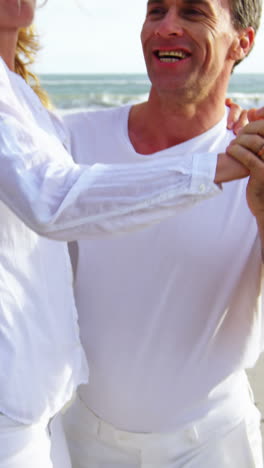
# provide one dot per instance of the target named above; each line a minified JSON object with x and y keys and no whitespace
{"x":81,"y":36}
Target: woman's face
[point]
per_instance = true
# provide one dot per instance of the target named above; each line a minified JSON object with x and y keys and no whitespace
{"x":16,"y":14}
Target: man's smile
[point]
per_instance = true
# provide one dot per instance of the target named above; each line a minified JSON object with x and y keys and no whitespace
{"x":171,"y":56}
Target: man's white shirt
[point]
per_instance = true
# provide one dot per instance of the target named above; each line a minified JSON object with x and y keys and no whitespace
{"x":169,"y":316}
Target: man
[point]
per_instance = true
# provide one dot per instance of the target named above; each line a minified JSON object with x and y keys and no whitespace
{"x":169,"y":316}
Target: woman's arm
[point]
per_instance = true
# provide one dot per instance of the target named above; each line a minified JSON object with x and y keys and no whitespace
{"x":62,"y":200}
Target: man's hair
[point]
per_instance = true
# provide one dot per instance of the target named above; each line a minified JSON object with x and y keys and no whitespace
{"x":246,"y":13}
{"x":26,"y":50}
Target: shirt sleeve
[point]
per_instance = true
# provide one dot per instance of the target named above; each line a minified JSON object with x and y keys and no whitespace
{"x":62,"y":200}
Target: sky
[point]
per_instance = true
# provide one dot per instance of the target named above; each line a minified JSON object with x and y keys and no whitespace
{"x":102,"y":36}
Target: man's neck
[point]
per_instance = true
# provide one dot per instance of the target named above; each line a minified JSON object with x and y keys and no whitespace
{"x":163,"y":122}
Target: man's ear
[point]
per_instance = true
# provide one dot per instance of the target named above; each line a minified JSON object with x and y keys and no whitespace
{"x":242,"y":44}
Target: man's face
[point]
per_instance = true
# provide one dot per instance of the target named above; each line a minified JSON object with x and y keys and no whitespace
{"x":187,"y":44}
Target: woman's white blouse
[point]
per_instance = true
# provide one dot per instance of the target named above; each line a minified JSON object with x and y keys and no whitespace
{"x":42,"y":190}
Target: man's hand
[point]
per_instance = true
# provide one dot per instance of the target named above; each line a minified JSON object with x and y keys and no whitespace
{"x":228,"y":168}
{"x":247,"y":149}
{"x":245,"y":154}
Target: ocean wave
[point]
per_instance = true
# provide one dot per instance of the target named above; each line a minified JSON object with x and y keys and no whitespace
{"x":110,"y":90}
{"x":104,"y":100}
{"x":93,"y":82}
{"x":248,"y":100}
{"x":97,"y":100}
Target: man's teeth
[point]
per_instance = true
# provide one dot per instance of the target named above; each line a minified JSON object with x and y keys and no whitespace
{"x":171,"y":55}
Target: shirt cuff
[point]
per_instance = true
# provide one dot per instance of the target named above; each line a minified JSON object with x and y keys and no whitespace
{"x":203,"y":175}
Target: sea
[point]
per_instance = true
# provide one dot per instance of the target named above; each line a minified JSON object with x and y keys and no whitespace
{"x":71,"y":93}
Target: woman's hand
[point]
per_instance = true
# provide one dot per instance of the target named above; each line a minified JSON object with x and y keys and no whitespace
{"x":237,"y":117}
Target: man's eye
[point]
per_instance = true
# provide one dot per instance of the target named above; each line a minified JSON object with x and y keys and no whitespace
{"x":193,"y":12}
{"x":156,"y":11}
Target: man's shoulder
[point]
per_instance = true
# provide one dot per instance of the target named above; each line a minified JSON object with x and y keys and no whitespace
{"x":92,"y":134}
{"x":94,"y":118}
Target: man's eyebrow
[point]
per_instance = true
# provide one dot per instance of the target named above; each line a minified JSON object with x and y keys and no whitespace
{"x":154,"y":1}
{"x":195,"y":2}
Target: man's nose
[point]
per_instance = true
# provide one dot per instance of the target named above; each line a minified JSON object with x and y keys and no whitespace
{"x":169,"y":25}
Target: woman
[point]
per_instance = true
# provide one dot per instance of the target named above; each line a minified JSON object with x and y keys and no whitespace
{"x":42,"y":190}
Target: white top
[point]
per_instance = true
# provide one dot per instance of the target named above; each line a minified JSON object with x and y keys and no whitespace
{"x":169,"y":313}
{"x":41,"y":358}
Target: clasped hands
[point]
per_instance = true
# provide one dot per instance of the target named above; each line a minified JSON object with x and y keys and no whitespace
{"x":245,"y":157}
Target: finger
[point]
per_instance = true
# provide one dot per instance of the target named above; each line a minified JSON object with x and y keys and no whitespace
{"x":234,"y":113}
{"x":260,"y":152}
{"x":252,"y":115}
{"x":259,"y":113}
{"x":252,"y":142}
{"x":228,"y":102}
{"x":242,"y":121}
{"x":247,"y":158}
{"x":256,"y":127}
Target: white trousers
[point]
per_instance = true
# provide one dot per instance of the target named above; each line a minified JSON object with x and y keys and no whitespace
{"x":29,"y":446}
{"x":94,"y":443}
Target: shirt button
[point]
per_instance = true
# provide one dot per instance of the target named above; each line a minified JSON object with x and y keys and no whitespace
{"x":192,"y":434}
{"x":201,"y":188}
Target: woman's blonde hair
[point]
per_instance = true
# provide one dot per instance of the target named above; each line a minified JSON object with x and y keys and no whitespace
{"x":26,"y":51}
